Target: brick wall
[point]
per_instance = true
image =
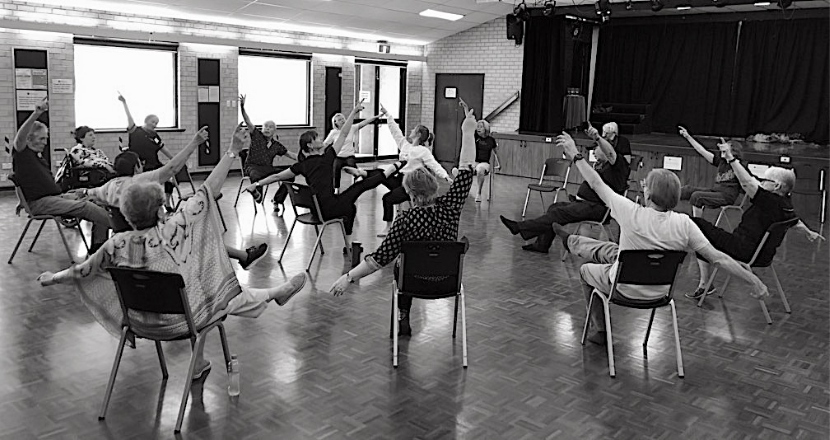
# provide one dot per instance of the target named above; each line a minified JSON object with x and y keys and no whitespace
{"x":482,"y":49}
{"x":224,"y":39}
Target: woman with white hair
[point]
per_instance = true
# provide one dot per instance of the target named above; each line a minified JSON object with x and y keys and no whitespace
{"x":771,"y":203}
{"x":188,"y":243}
{"x":431,"y":218}
{"x":485,"y":146}
{"x":346,"y":156}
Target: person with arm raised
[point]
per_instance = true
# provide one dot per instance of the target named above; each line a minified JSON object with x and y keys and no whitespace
{"x":726,"y":188}
{"x":346,"y":156}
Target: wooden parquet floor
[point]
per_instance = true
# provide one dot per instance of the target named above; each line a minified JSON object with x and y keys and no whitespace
{"x":320,"y":367}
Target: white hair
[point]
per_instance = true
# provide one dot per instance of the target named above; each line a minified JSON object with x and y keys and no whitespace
{"x":611,"y":127}
{"x":783,"y":176}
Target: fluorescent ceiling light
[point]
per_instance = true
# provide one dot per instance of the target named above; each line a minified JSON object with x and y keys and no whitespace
{"x":684,"y":8}
{"x":441,"y":15}
{"x":762,"y":4}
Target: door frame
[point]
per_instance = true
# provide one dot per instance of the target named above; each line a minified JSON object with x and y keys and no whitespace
{"x":375,"y":104}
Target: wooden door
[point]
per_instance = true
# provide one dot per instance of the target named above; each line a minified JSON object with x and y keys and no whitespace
{"x":448,"y":115}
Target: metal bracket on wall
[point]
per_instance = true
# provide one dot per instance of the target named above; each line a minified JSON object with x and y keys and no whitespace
{"x":504,"y":105}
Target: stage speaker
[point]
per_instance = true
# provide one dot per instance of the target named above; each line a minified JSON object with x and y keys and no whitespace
{"x":515,"y":28}
{"x":581,"y":31}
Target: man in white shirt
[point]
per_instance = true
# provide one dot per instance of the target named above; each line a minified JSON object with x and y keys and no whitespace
{"x":654,"y":226}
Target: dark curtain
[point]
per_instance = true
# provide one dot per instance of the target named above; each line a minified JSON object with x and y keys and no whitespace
{"x":683,"y":70}
{"x":543,"y":75}
{"x":782,"y":73}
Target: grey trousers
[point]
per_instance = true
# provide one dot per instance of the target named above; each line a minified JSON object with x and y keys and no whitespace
{"x":66,"y":205}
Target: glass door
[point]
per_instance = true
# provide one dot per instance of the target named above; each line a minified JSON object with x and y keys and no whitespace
{"x":379,"y":83}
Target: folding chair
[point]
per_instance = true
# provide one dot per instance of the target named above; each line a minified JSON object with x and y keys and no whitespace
{"x":431,"y":270}
{"x":303,"y":196}
{"x":772,"y":238}
{"x":147,"y":291}
{"x":183,"y":176}
{"x":737,"y":206}
{"x":634,"y":167}
{"x":43,"y":219}
{"x":656,"y":268}
{"x":553,"y":170}
{"x":243,"y":158}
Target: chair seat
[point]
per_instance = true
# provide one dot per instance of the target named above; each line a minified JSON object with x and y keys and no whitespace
{"x":640,"y":303}
{"x":430,"y":295}
{"x":542,"y":188}
{"x":309,"y":219}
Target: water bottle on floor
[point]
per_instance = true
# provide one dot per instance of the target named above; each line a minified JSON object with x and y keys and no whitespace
{"x":233,"y":376}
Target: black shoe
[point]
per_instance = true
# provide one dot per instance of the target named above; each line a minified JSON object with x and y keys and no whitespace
{"x":512,"y":226}
{"x":279,"y":209}
{"x":404,"y":329}
{"x":563,"y":234}
{"x":533,"y":248}
{"x":699,"y":292}
{"x":254,"y":252}
{"x":599,"y":338}
{"x":257,"y":195}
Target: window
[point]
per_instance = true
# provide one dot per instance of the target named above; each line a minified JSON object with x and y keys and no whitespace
{"x":276,"y":88}
{"x":145,"y":75}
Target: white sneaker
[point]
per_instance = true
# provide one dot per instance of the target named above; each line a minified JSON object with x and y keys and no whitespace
{"x":478,"y":199}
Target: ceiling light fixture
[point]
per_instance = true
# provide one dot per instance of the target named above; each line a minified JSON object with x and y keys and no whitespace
{"x":684,"y":7}
{"x":763,"y":4}
{"x":442,"y":15}
{"x":657,"y":5}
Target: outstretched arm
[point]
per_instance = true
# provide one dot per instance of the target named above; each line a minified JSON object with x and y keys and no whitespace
{"x":241,"y":140}
{"x":282,"y":175}
{"x":749,"y":184}
{"x":604,"y":145}
{"x":344,"y":132}
{"x":393,"y":128}
{"x":130,"y":120}
{"x":587,"y":171}
{"x":175,"y":164}
{"x":22,"y":136}
{"x":742,"y":271}
{"x":245,"y":116}
{"x":368,"y":121}
{"x":699,"y":148}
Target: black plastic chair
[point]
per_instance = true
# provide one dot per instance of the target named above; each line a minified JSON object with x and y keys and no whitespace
{"x":431,"y":270}
{"x":655,"y":268}
{"x":183,"y":176}
{"x":772,"y":238}
{"x":162,"y":293}
{"x":43,"y":219}
{"x":554,"y":169}
{"x":302,"y":196}
{"x":243,"y":158}
{"x":635,"y":165}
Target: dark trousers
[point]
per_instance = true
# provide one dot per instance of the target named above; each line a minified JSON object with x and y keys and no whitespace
{"x":343,"y":205}
{"x":726,"y":242}
{"x":339,"y":163}
{"x":259,"y":172}
{"x":395,"y":196}
{"x":562,"y":213}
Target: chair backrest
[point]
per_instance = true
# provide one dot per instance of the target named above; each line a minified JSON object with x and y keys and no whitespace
{"x":183,"y":175}
{"x":646,"y":268}
{"x":772,"y":238}
{"x":556,"y":168}
{"x":20,"y":197}
{"x":151,"y":292}
{"x":431,"y":269}
{"x":636,"y":163}
{"x":303,"y":196}
{"x":243,"y":159}
{"x":118,"y":222}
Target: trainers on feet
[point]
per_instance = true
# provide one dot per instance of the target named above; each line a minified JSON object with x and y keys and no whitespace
{"x":296,"y":284}
{"x":699,"y":292}
{"x":254,"y":252}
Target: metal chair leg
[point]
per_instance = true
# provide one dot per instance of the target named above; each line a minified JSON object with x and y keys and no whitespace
{"x":542,"y":198}
{"x":63,"y":239}
{"x":648,"y":330}
{"x":766,"y":312}
{"x":678,"y":351}
{"x":287,"y":239}
{"x":316,"y":245}
{"x":587,"y":318}
{"x":463,"y":329}
{"x":725,"y":284}
{"x":317,"y":231}
{"x":221,"y":217}
{"x":238,"y":192}
{"x":225,"y":349}
{"x":395,"y":329}
{"x":161,"y":360}
{"x":197,"y":348}
{"x":609,"y":340}
{"x":780,"y":290}
{"x":708,"y":284}
{"x":455,"y":317}
{"x":39,"y":230}
{"x":114,"y":372}
{"x":490,"y":194}
{"x":83,"y":237}
{"x":527,"y":198}
{"x":343,"y":230}
{"x":20,"y":240}
{"x":392,"y":312}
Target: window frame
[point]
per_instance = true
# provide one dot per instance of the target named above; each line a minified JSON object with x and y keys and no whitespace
{"x":132,"y":44}
{"x":248,"y":52}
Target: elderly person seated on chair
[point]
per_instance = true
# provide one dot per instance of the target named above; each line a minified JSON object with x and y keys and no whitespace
{"x":35,"y":179}
{"x":129,"y":170}
{"x":586,"y":206}
{"x":726,"y":189}
{"x":485,"y":146}
{"x":188,"y":243}
{"x":611,"y":134}
{"x":430,"y":219}
{"x":770,"y":204}
{"x":654,"y":226}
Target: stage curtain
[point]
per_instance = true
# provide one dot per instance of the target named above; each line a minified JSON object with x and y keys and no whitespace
{"x":781,"y":81}
{"x":683,"y":70}
{"x":543,"y":78}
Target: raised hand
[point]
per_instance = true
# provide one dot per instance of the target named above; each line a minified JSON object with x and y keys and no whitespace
{"x":467,"y":110}
{"x":359,"y":107}
{"x":122,"y":98}
{"x":42,"y":106}
{"x":241,"y":139}
{"x":683,"y":132}
{"x":383,"y":111}
{"x":567,"y":143}
{"x":241,"y":99}
{"x":202,"y":135}
{"x":592,"y":132}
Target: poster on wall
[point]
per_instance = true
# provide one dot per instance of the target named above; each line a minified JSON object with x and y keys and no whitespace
{"x":27,"y":100}
{"x":62,"y":86}
{"x":39,"y":79}
{"x":365,"y":96}
{"x":23,"y":78}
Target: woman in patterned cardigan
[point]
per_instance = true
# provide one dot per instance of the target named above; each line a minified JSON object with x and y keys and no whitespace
{"x":430,"y":219}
